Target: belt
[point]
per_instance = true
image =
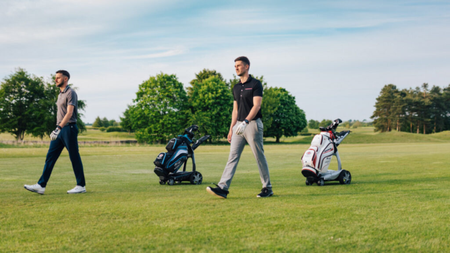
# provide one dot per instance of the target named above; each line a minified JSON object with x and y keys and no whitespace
{"x":70,"y":124}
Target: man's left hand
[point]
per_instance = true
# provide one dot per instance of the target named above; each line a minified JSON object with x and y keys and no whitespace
{"x":241,"y":128}
{"x":55,"y":134}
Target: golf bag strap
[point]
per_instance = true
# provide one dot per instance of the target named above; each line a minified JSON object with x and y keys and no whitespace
{"x":189,"y":148}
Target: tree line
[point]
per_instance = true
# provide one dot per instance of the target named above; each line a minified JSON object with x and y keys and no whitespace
{"x":28,"y":105}
{"x":106,"y":125}
{"x":163,"y":108}
{"x":315,"y":124}
{"x":419,"y":110}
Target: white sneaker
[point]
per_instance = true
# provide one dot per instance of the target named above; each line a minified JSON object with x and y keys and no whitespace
{"x":77,"y":189}
{"x":35,"y":188}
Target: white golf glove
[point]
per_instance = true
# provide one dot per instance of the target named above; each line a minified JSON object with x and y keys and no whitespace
{"x":54,"y":134}
{"x":241,"y":128}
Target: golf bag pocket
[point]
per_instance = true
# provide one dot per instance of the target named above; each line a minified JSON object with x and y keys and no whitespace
{"x":317,"y":141}
{"x":161,"y":159}
{"x":177,"y":159}
{"x":309,"y":157}
{"x":173,"y":144}
{"x":324,"y":157}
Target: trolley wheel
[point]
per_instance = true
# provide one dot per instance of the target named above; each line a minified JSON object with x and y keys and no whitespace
{"x":162,"y":182}
{"x":345,"y":177}
{"x":171,"y":181}
{"x":320,"y":182}
{"x":196,"y":178}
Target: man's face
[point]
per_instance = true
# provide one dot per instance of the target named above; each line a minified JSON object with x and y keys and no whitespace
{"x":59,"y":79}
{"x":241,"y":68}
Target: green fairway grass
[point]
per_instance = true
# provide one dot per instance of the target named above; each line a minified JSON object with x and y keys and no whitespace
{"x":398,"y":201}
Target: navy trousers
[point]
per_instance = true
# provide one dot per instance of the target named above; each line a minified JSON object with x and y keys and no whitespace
{"x":68,"y":137}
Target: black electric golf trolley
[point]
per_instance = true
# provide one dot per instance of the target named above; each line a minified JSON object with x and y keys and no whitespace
{"x":317,"y":158}
{"x":179,"y":150}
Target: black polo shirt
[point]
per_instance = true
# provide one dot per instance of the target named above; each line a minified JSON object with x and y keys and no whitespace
{"x":243,"y":94}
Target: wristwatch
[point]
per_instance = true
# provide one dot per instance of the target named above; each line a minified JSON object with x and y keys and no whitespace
{"x":58,"y":126}
{"x":246,"y":121}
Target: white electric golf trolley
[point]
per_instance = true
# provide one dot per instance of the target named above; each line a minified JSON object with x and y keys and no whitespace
{"x":317,"y":158}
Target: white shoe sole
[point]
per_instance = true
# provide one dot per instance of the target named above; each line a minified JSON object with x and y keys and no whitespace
{"x":76,"y":192}
{"x":270,"y":195}
{"x":33,"y":190}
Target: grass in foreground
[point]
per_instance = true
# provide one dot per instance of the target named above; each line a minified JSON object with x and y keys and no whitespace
{"x":398,"y":202}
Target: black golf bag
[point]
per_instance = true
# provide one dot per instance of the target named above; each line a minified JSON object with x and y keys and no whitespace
{"x":179,"y":150}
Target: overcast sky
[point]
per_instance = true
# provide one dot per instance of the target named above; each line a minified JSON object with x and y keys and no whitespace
{"x":333,"y":56}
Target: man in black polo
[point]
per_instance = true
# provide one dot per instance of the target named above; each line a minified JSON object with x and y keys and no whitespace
{"x":65,"y":135}
{"x":246,"y":127}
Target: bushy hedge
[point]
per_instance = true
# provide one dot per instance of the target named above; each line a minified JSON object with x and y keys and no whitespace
{"x":115,"y":129}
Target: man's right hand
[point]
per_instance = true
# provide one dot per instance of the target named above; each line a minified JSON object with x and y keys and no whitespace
{"x":230,"y":134}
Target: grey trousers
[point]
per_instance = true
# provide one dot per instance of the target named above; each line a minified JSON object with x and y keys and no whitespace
{"x":253,"y":135}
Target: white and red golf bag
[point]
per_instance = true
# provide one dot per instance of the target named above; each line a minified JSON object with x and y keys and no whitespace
{"x":317,"y":158}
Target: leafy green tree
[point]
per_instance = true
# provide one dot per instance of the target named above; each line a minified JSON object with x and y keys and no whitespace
{"x":48,"y":111}
{"x":98,"y":122}
{"x":346,"y":124}
{"x":288,"y":119}
{"x":356,"y":124}
{"x":126,"y":122}
{"x":313,"y":124}
{"x":111,"y":122}
{"x":21,"y":103}
{"x":160,"y":109}
{"x":233,"y":81}
{"x":270,"y":102}
{"x":80,"y":123}
{"x":211,"y":104}
{"x":201,"y":76}
{"x":326,"y":122}
{"x":304,"y":131}
{"x":105,"y":122}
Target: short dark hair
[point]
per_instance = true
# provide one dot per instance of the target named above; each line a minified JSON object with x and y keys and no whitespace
{"x":243,"y":59}
{"x":64,"y":73}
